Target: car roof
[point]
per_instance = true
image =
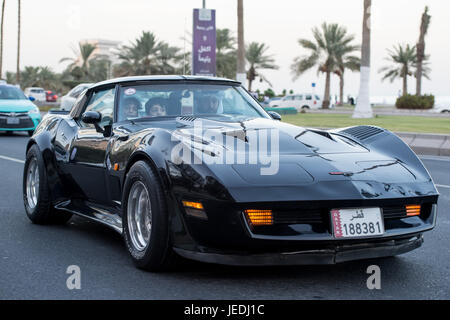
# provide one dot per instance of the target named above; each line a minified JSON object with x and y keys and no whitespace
{"x":163,"y":78}
{"x":9,"y":86}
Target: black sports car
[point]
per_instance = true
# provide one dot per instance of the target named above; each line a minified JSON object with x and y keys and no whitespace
{"x":194,"y":167}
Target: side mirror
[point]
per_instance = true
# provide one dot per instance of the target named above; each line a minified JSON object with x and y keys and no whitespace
{"x":91,"y":117}
{"x":274,"y":115}
{"x":32,"y":99}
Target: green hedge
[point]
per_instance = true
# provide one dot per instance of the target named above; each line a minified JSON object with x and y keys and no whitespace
{"x":283,"y":111}
{"x":414,"y":102}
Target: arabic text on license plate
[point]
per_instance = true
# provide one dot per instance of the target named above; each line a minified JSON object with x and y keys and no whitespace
{"x":12,"y":120}
{"x":357,"y":223}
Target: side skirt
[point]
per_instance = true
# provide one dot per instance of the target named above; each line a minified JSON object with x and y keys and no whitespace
{"x":92,"y":212}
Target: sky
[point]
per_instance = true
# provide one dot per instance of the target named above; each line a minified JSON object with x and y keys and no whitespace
{"x":51,"y":28}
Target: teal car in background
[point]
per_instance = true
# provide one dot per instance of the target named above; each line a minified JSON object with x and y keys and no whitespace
{"x":17,"y":112}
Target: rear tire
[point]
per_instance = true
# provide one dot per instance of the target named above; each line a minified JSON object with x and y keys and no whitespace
{"x":145,"y":220}
{"x":36,"y":193}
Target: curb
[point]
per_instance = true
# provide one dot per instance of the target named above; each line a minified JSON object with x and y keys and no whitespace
{"x":427,"y":144}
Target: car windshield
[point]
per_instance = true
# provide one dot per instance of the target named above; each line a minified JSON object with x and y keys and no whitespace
{"x":218,"y":102}
{"x":11,"y":93}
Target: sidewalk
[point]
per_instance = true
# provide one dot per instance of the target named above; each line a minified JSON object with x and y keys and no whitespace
{"x":385,"y":111}
{"x":427,"y":144}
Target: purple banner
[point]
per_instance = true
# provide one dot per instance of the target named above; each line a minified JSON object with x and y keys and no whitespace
{"x":204,"y":43}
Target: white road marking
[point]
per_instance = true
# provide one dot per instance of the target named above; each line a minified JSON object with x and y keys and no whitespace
{"x":12,"y":159}
{"x":442,"y":186}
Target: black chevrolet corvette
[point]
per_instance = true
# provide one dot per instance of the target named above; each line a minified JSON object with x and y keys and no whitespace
{"x":194,"y":167}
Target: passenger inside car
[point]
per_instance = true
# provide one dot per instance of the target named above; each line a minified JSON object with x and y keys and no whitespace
{"x":155,"y":108}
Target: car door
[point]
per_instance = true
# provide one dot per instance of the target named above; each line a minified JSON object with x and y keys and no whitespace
{"x":298,"y":102}
{"x":288,"y":102}
{"x":309,"y":101}
{"x":88,"y":150}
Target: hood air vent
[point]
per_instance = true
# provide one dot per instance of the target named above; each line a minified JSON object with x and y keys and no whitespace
{"x":362,"y":132}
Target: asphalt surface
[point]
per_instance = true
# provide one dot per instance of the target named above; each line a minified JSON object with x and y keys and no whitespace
{"x":34,"y":259}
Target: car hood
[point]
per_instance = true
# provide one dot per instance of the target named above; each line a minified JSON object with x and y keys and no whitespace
{"x":307,"y":164}
{"x":16,"y":105}
{"x":280,"y":137}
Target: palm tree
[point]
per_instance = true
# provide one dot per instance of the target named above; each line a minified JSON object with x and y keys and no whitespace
{"x":18,"y":43}
{"x":47,"y":78}
{"x":130,"y":64}
{"x":325,"y":51}
{"x":346,"y":62}
{"x":226,"y":54}
{"x":141,"y":57}
{"x":29,"y":77}
{"x":148,"y":48}
{"x":82,"y":57}
{"x":1,"y":38}
{"x":98,"y":69}
{"x":240,"y":63}
{"x":426,"y":19}
{"x":255,"y":53}
{"x":363,"y":108}
{"x":405,"y":60}
{"x":168,"y":58}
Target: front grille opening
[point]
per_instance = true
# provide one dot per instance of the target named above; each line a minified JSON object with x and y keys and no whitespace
{"x":400,"y":212}
{"x":319,"y":218}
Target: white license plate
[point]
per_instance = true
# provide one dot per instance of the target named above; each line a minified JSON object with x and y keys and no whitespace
{"x":12,"y":120}
{"x":357,"y":223}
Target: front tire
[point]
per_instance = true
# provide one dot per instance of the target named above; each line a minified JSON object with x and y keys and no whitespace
{"x":30,"y":133}
{"x":145,"y":220}
{"x":36,"y":192}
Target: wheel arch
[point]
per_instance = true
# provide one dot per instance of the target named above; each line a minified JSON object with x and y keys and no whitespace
{"x":157,"y":166}
{"x":43,"y":141}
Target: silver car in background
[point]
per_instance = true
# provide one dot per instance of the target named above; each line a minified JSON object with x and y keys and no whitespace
{"x":69,"y":99}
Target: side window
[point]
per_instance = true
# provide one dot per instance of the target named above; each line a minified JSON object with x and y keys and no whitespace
{"x":102,"y":101}
{"x":76,"y":106}
{"x":308,"y":97}
{"x":298,"y":97}
{"x":76,"y":91}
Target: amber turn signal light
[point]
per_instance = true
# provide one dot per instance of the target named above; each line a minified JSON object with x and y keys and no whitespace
{"x":195,"y":209}
{"x":193,"y":205}
{"x":260,"y":217}
{"x":413,"y":210}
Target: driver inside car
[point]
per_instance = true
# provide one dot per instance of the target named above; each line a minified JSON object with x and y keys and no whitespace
{"x":209,"y":105}
{"x":131,"y":108}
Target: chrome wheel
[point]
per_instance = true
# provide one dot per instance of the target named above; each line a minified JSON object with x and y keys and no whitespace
{"x":32,"y":183}
{"x":139,"y":216}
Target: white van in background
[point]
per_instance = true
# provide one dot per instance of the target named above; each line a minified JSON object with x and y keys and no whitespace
{"x":37,"y":93}
{"x":298,"y":101}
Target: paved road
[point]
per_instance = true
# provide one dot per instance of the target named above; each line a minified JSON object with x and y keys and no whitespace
{"x":34,"y":259}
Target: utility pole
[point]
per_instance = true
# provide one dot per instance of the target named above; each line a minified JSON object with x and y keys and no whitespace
{"x":18,"y":43}
{"x":241,"y":74}
{"x":1,"y":38}
{"x":204,"y":4}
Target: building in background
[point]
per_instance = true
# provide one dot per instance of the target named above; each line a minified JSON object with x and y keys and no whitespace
{"x":103,"y":48}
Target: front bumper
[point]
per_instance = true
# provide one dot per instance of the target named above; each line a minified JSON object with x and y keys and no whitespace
{"x":26,"y":122}
{"x":332,"y":255}
{"x":301,"y":236}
